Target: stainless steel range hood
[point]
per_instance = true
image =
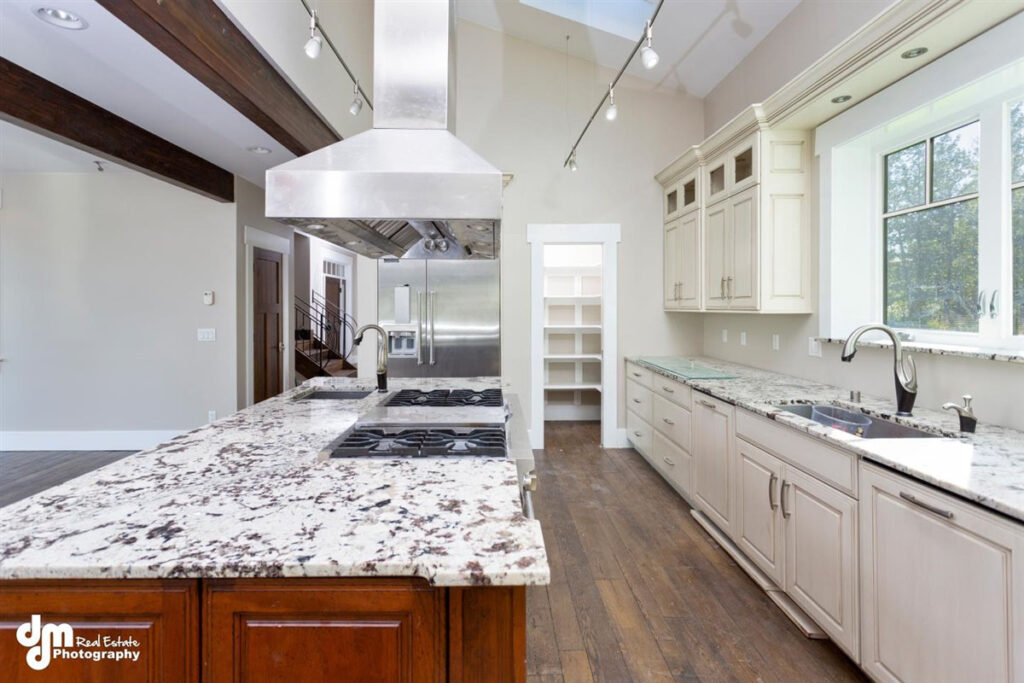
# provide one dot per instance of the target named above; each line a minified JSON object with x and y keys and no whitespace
{"x":408,"y":188}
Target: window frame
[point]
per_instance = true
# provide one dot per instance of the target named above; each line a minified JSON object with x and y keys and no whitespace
{"x":994,"y":197}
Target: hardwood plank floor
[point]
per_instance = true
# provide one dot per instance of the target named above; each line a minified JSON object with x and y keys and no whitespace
{"x":24,"y":473}
{"x":639,"y":591}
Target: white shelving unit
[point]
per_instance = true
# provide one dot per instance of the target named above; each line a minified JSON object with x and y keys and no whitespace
{"x":572,"y":339}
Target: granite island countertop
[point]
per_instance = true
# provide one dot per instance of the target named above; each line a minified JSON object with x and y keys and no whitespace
{"x":986,"y":468}
{"x":247,"y":496}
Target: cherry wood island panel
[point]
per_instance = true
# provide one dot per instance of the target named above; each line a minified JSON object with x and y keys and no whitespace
{"x":274,"y":630}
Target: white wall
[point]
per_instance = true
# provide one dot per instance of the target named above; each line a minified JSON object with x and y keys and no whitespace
{"x":807,"y":33}
{"x":101,"y":282}
{"x":512,"y":97}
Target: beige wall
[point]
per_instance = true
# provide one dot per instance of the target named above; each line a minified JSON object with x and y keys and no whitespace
{"x":807,"y":33}
{"x":512,"y":99}
{"x":101,"y":282}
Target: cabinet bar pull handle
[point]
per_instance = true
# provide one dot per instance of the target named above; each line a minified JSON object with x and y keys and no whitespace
{"x":637,"y":374}
{"x":721,"y":289}
{"x":669,"y":462}
{"x":668,"y":389}
{"x":667,"y":421}
{"x":728,"y":287}
{"x":636,"y":433}
{"x":910,"y":498}
{"x":785,"y":513}
{"x":771,"y":492}
{"x":707,"y":404}
{"x":636,"y":400}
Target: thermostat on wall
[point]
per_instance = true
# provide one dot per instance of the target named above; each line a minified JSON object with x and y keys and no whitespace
{"x":208,"y":297}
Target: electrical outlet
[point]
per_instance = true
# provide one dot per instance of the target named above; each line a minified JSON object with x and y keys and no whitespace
{"x":813,"y":347}
{"x":743,"y":338}
{"x":725,"y":336}
{"x":775,"y":342}
{"x":212,"y":415}
{"x":206,"y":334}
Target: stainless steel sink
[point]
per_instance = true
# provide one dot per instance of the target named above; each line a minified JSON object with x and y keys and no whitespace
{"x":876,"y":428}
{"x":334,"y":395}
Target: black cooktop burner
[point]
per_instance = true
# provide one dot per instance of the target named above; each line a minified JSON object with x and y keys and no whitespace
{"x":366,"y":441}
{"x":488,"y":398}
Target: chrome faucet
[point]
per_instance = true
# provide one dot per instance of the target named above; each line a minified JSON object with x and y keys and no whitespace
{"x":382,"y":353}
{"x":903,"y":367}
{"x":968,"y":421}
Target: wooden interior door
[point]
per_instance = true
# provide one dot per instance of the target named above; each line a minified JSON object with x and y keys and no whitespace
{"x":267,"y":332}
{"x":332,"y":292}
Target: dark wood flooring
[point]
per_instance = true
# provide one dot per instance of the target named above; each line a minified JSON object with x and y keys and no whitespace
{"x":24,"y":473}
{"x":639,"y":592}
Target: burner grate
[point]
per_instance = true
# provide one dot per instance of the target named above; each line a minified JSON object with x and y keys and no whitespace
{"x":411,"y":398}
{"x":368,"y":442}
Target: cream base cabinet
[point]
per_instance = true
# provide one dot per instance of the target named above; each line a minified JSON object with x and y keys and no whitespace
{"x":942,"y":586}
{"x":713,"y":443}
{"x":758,"y":522}
{"x":820,"y":527}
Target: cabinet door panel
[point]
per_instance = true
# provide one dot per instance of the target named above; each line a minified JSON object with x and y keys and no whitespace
{"x":712,"y":445}
{"x":670,"y":265}
{"x":688,"y":262}
{"x":758,"y":520}
{"x":742,"y":254}
{"x":715,"y":226}
{"x":941,"y":596}
{"x":821,"y":555}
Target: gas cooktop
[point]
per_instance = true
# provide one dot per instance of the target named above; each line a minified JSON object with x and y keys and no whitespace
{"x":422,"y":443}
{"x":444,"y":398}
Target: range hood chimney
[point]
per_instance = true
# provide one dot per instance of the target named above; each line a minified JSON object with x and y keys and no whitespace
{"x":407,"y":188}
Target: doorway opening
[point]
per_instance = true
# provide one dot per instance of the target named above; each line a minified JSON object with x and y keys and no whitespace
{"x":573,"y":350}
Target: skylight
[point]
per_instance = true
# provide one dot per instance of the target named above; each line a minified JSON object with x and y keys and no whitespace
{"x":623,"y":18}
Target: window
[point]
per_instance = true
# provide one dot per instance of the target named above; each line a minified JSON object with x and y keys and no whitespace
{"x":1017,"y":213}
{"x":931,"y":233}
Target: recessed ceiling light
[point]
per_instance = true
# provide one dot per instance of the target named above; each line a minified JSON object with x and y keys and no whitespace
{"x":840,"y":99}
{"x":61,"y":18}
{"x":258,"y":149}
{"x":914,"y":52}
{"x":316,"y":226}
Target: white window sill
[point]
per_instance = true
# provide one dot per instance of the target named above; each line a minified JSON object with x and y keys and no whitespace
{"x":1005,"y":355}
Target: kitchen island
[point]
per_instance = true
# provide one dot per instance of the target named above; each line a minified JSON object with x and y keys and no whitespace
{"x":235,"y":552}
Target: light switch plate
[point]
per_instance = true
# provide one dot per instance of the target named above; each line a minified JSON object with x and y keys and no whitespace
{"x":743,"y":338}
{"x":725,"y":336}
{"x":212,"y":415}
{"x":813,"y":347}
{"x":206,"y":334}
{"x":775,"y":342}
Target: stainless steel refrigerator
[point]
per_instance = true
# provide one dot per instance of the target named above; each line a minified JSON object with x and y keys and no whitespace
{"x":443,"y":317}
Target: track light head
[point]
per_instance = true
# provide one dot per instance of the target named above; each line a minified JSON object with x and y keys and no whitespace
{"x":648,"y":57}
{"x":357,"y":100}
{"x":572,"y":163}
{"x":315,"y":42}
{"x":612,"y":112}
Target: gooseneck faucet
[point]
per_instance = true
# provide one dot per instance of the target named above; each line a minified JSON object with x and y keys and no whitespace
{"x":903,"y":366}
{"x":382,"y":353}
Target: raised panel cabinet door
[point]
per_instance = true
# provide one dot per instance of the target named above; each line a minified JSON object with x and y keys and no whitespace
{"x":758,"y":518}
{"x":942,"y":586}
{"x":715,"y":226}
{"x":670,"y":265}
{"x":821,"y":555}
{"x":156,"y":622}
{"x":712,"y":444}
{"x":688,"y":261}
{"x":741,"y":259}
{"x":323,"y":631}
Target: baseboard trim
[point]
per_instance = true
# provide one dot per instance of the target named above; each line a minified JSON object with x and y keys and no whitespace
{"x":97,"y":440}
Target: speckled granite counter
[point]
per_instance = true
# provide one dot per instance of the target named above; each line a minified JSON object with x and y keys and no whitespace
{"x":986,"y":467}
{"x":247,"y":497}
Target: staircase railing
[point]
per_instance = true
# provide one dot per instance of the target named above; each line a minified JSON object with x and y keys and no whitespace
{"x":327,"y":330}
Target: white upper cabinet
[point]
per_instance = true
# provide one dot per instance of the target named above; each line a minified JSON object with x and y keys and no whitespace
{"x":750,"y":250}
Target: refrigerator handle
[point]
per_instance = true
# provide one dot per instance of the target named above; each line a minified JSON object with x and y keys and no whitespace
{"x":431,"y":311}
{"x":420,"y":326}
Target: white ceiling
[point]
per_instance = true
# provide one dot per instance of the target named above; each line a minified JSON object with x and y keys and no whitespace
{"x":699,"y":41}
{"x":114,"y":67}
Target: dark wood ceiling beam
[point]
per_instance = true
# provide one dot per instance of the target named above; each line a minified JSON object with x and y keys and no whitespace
{"x":35,"y":103}
{"x":203,"y":40}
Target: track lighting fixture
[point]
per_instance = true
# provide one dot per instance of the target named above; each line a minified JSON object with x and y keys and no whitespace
{"x":572,"y":162}
{"x":315,"y":42}
{"x":648,"y":57}
{"x":357,"y":101}
{"x":612,"y":112}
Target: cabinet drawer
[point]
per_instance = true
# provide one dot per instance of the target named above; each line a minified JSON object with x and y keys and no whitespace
{"x":677,"y":392}
{"x":673,"y":421}
{"x":638,"y":432}
{"x":641,"y":376}
{"x":829,"y":464}
{"x":638,"y":399}
{"x":673,"y":462}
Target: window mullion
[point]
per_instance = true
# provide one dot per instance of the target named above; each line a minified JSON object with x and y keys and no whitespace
{"x":993,"y":225}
